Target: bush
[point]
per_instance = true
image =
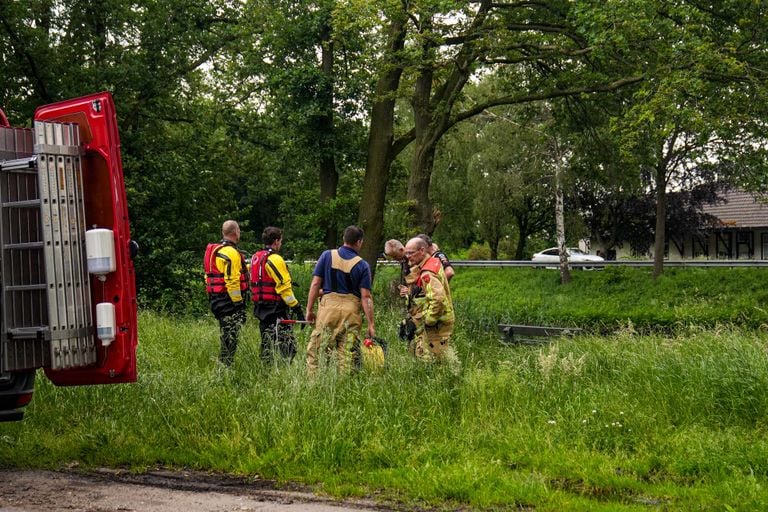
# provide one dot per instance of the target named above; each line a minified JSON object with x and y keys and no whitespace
{"x":479,"y":252}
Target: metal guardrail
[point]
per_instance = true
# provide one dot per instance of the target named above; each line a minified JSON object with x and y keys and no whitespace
{"x":590,"y":264}
{"x":612,"y":263}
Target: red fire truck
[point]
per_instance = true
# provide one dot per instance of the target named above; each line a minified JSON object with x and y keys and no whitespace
{"x":67,"y":282}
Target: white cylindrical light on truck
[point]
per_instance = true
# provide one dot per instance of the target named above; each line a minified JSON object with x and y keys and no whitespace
{"x":105,"y":322}
{"x":100,"y":250}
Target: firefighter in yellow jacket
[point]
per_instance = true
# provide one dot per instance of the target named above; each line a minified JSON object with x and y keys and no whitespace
{"x":431,"y":307}
{"x":273,"y":298}
{"x":226,"y":280}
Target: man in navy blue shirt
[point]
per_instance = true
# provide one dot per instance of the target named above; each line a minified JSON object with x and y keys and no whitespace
{"x":345,"y":280}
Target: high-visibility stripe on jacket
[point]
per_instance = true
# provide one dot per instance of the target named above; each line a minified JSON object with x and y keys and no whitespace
{"x":215,"y":278}
{"x":432,"y":304}
{"x":262,"y":284}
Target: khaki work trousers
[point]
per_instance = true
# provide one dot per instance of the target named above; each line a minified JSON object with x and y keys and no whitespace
{"x":434,"y":344}
{"x":337,"y":328}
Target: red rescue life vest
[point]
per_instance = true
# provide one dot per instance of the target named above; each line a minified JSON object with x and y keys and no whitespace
{"x":214,"y":279}
{"x":262,"y":284}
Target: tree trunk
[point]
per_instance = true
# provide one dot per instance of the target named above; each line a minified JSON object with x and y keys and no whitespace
{"x":380,"y":150}
{"x":329,"y":176}
{"x":661,"y":221}
{"x":432,"y":111}
{"x":565,"y":272}
{"x":419,"y":204}
{"x":424,"y":125}
{"x":494,"y":245}
{"x":522,"y":230}
{"x":329,"y":182}
{"x":432,"y":118}
{"x":99,"y":27}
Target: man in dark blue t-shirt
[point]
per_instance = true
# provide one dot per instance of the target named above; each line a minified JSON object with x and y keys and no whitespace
{"x":345,"y":280}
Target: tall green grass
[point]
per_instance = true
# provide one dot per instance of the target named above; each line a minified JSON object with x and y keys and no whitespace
{"x":599,"y":301}
{"x":625,"y":422}
{"x":602,"y":301}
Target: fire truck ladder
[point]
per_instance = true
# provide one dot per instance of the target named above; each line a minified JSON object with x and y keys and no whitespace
{"x":45,"y":317}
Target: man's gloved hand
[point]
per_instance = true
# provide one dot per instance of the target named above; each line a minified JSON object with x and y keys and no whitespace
{"x":297,"y":312}
{"x":407,"y":330}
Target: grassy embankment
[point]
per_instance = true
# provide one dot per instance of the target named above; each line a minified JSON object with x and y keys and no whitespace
{"x":629,"y":421}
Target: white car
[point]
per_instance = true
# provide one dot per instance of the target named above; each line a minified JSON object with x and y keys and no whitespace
{"x":551,"y":256}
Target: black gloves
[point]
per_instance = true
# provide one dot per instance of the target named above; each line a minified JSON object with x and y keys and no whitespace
{"x":407,"y":330}
{"x":298,"y":313}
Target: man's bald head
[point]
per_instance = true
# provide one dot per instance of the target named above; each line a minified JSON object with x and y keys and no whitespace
{"x":415,"y":250}
{"x":416,"y":243}
{"x":230,"y":230}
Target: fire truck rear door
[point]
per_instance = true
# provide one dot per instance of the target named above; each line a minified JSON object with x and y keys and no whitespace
{"x":105,"y":208}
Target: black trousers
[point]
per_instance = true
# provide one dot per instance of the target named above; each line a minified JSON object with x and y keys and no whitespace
{"x":276,"y":338}
{"x":230,"y":325}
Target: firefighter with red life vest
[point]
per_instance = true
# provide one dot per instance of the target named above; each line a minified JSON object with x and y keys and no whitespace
{"x":273,"y":298}
{"x":226,"y":282}
{"x":430,"y":306}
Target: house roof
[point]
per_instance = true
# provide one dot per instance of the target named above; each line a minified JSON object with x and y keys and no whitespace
{"x":741,"y":210}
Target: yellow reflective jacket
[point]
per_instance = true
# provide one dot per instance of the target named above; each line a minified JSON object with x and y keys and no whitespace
{"x":278,"y":270}
{"x":432,"y":302}
{"x":231,"y":264}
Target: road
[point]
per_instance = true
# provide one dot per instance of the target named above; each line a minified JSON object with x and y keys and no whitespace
{"x":157,"y":491}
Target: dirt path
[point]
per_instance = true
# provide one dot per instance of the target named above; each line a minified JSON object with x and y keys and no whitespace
{"x":157,"y":491}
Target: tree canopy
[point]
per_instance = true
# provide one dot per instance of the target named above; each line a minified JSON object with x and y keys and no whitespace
{"x":401,"y":116}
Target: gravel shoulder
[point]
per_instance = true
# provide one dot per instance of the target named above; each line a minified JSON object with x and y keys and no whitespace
{"x":109,"y":490}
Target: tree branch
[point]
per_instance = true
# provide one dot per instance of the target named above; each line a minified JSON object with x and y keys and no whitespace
{"x":529,"y":98}
{"x":540,"y":56}
{"x":402,"y":142}
{"x":545,"y":28}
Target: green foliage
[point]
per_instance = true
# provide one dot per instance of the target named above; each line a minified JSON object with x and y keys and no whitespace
{"x":479,"y":252}
{"x":398,"y":221}
{"x":617,"y":423}
{"x":694,"y":117}
{"x":197,"y":146}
